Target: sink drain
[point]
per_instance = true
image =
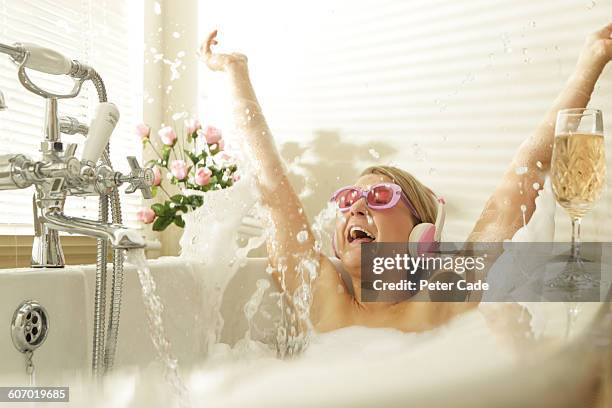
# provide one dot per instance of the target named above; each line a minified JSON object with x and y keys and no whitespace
{"x":30,"y":326}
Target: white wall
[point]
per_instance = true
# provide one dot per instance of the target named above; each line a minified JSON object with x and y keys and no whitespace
{"x":444,"y":89}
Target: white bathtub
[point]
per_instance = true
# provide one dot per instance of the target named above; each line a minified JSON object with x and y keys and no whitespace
{"x":65,"y":356}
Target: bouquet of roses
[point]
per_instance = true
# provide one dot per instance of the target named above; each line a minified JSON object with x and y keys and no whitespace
{"x":210,"y":168}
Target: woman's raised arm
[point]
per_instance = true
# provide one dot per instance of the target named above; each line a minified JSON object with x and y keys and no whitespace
{"x":291,"y":248}
{"x":502,"y":216}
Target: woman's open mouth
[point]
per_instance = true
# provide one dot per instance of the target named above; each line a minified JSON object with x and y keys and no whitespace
{"x":358,"y":235}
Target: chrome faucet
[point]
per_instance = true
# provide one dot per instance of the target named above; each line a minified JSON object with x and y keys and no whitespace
{"x":60,"y":174}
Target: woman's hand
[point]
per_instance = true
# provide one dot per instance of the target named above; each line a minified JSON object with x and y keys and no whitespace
{"x":597,"y":49}
{"x":219,"y":62}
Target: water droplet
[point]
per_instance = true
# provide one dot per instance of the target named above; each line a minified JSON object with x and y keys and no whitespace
{"x":179,"y":115}
{"x":539,"y":164}
{"x":176,"y":34}
{"x":374,"y":153}
{"x":180,"y":54}
{"x":157,"y":8}
{"x":521,"y":170}
{"x":536,"y":186}
{"x":506,"y":43}
{"x":302,"y":236}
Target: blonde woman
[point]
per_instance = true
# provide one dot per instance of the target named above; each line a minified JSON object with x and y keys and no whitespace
{"x":386,"y":204}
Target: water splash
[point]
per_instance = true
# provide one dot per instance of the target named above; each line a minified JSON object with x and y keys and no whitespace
{"x":154,"y":309}
{"x":253,"y":304}
{"x":220,"y":217}
{"x":323,"y":228}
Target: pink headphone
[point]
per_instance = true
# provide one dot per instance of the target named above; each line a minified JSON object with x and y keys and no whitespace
{"x":424,"y":237}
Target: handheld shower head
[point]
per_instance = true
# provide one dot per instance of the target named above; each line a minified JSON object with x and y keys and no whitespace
{"x":2,"y":102}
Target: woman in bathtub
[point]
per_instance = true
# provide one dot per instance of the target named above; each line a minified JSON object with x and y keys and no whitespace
{"x":387,"y":204}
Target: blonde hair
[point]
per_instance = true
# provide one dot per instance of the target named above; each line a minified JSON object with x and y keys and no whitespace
{"x":421,"y":197}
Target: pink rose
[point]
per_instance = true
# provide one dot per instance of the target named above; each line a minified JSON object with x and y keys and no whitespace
{"x":202,"y":176}
{"x":212,"y":135}
{"x":191,"y":125}
{"x":167,"y":135}
{"x":178,"y":168}
{"x":156,"y":176}
{"x":146,"y":215}
{"x":143,"y":131}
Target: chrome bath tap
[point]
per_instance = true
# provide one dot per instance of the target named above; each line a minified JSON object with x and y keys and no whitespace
{"x":59,"y":174}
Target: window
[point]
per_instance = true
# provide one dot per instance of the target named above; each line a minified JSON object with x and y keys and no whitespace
{"x":103,"y":34}
{"x":444,"y":89}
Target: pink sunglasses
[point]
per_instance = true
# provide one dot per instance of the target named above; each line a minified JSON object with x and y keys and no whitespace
{"x":378,"y":197}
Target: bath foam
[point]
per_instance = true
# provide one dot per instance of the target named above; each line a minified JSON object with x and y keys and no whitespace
{"x":371,"y":367}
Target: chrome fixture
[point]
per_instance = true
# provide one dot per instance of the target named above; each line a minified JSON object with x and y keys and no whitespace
{"x":29,"y":329}
{"x":2,"y":102}
{"x":30,"y":326}
{"x":59,"y":174}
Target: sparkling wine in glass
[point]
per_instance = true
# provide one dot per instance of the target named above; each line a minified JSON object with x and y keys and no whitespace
{"x":578,"y":173}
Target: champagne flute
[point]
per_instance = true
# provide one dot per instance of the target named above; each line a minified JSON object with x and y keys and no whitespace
{"x":578,"y":173}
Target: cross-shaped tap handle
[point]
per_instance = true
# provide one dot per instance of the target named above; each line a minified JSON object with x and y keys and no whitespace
{"x":139,"y":178}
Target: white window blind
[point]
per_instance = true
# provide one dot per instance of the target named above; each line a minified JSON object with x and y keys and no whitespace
{"x":444,"y":89}
{"x":102,"y":35}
